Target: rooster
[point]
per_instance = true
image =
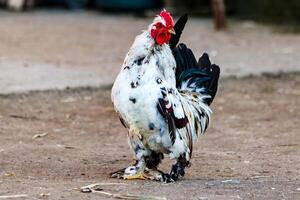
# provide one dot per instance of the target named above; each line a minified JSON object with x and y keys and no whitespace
{"x":162,"y":96}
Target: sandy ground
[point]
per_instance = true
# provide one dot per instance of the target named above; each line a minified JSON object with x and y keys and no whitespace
{"x":57,"y":46}
{"x":251,"y":150}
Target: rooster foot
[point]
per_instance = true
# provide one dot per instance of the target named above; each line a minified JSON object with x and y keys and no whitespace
{"x":162,"y":177}
{"x":176,"y":171}
{"x":131,"y":173}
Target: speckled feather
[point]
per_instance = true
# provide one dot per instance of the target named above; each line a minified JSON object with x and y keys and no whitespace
{"x":159,"y":116}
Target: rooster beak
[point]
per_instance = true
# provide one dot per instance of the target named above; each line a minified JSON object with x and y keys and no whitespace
{"x":172,"y":31}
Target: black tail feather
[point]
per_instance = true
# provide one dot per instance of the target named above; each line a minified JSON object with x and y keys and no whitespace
{"x":214,"y":71}
{"x":213,"y":87}
{"x":204,"y":62}
{"x":191,"y":58}
{"x":179,"y":26}
{"x":201,"y":74}
{"x":185,"y":59}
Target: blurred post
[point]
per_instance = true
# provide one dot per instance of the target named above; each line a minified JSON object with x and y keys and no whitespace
{"x":169,"y":5}
{"x":219,"y":13}
{"x":16,"y":5}
{"x":19,"y":5}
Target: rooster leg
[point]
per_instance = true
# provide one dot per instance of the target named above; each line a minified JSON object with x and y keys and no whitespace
{"x":137,"y":170}
{"x":153,"y":160}
{"x":178,"y":168}
{"x":176,"y":171}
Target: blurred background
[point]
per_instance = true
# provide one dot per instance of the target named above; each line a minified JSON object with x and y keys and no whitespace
{"x":92,"y":37}
{"x":271,"y":10}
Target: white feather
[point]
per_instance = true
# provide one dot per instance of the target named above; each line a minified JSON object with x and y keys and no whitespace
{"x":158,"y":63}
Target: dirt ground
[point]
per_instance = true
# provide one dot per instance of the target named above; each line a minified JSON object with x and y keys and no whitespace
{"x":251,"y":150}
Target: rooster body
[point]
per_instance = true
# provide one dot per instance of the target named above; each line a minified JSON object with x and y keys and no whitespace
{"x":138,"y":87}
{"x":163,"y":113}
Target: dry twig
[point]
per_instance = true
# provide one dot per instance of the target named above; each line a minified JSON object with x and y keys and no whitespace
{"x":95,"y":188}
{"x":13,"y":196}
{"x":39,"y":135}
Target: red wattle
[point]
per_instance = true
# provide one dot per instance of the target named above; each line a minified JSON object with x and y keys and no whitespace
{"x":161,"y":35}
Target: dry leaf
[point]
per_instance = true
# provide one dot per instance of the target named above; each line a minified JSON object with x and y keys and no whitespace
{"x":9,"y":174}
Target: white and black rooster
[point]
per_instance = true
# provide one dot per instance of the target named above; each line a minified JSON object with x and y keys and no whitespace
{"x":162,"y":95}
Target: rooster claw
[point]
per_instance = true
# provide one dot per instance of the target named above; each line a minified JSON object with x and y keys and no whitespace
{"x":130,"y":173}
{"x":177,"y":171}
{"x":144,"y":175}
{"x":118,"y":174}
{"x":163,"y":177}
{"x":166,"y":178}
{"x":133,"y":173}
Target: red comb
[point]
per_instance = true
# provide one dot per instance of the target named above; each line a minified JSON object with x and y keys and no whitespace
{"x":167,"y":17}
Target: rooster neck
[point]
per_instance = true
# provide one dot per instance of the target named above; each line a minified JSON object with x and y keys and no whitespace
{"x":145,"y":54}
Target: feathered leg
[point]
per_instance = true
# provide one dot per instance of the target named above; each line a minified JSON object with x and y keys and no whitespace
{"x":178,"y":169}
{"x":153,"y":160}
{"x":137,"y":170}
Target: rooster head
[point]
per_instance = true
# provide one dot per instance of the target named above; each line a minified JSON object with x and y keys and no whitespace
{"x":162,"y":28}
